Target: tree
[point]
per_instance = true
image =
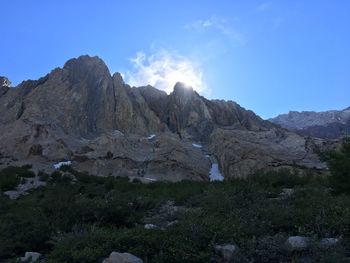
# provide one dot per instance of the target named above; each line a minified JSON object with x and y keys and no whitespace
{"x":339,"y":165}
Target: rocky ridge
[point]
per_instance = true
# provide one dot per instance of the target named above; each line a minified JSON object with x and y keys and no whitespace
{"x":328,"y":124}
{"x":84,"y":114}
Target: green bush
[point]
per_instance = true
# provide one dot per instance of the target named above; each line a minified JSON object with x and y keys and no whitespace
{"x":23,"y":230}
{"x":339,"y":165}
{"x":87,"y":220}
{"x":284,"y":178}
{"x":9,"y":177}
{"x":43,"y":176}
{"x":66,"y":168}
{"x":22,"y":171}
{"x":8,"y":181}
{"x":27,"y":174}
{"x":109,"y":183}
{"x":56,"y":176}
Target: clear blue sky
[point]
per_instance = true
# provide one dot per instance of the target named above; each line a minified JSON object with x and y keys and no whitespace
{"x":269,"y":56}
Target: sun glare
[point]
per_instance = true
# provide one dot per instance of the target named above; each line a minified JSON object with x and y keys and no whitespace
{"x":163,"y":70}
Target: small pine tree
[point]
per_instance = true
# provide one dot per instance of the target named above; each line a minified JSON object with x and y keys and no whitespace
{"x":339,"y":166}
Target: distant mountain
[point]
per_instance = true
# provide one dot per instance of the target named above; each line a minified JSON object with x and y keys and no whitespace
{"x":84,"y":114}
{"x":327,"y":124}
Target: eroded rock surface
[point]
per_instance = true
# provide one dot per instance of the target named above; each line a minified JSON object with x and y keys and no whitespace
{"x":84,"y":114}
{"x":241,"y":152}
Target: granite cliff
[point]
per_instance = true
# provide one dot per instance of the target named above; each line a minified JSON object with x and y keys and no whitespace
{"x":84,"y":114}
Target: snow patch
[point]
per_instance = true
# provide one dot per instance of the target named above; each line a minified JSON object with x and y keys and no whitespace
{"x":58,"y":165}
{"x":151,"y":179}
{"x":151,"y":136}
{"x":214,"y":173}
{"x":117,"y":133}
{"x":196,"y":145}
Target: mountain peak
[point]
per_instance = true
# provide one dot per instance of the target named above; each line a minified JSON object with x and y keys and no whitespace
{"x":80,"y":106}
{"x":85,"y":59}
{"x":181,"y":87}
{"x":4,"y":82}
{"x":86,"y":65}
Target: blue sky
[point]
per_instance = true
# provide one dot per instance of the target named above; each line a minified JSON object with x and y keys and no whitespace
{"x":269,"y":56}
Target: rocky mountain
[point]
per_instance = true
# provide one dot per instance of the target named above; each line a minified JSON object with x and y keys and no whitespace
{"x":5,"y":85}
{"x":84,"y":114}
{"x":328,"y":124}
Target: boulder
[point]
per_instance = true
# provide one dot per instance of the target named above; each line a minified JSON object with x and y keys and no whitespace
{"x":286,"y":193}
{"x":329,"y":242}
{"x":298,"y":243}
{"x":150,"y":226}
{"x":30,"y":257}
{"x":166,"y":215}
{"x":116,"y":257}
{"x":226,"y":251}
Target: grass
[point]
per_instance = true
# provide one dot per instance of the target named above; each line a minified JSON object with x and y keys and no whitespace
{"x":86,"y":219}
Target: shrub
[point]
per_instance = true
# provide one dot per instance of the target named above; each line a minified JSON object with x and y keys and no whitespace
{"x":27,"y":174}
{"x":10,"y":176}
{"x":8,"y":181}
{"x":88,"y":222}
{"x":66,"y":168}
{"x":43,"y":176}
{"x":23,"y":230}
{"x":284,"y":178}
{"x":56,"y":176}
{"x":339,"y":165}
{"x":109,"y":183}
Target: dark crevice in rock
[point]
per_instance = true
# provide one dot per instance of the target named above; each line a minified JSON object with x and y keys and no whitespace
{"x":20,"y":111}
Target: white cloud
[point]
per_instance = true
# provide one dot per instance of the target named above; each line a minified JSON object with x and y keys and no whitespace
{"x":163,"y":69}
{"x":220,"y":24}
{"x":264,"y":6}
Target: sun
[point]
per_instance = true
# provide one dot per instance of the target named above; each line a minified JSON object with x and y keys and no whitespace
{"x":164,"y":69}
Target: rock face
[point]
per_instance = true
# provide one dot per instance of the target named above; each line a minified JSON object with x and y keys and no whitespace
{"x":5,"y":82}
{"x":163,"y":157}
{"x":241,"y":152}
{"x":188,"y":114}
{"x":328,"y":124}
{"x":5,"y":85}
{"x":83,"y":98}
{"x":84,"y":114}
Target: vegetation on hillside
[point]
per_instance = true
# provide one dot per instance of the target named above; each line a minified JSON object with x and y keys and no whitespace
{"x":339,"y":165}
{"x":85,"y":219}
